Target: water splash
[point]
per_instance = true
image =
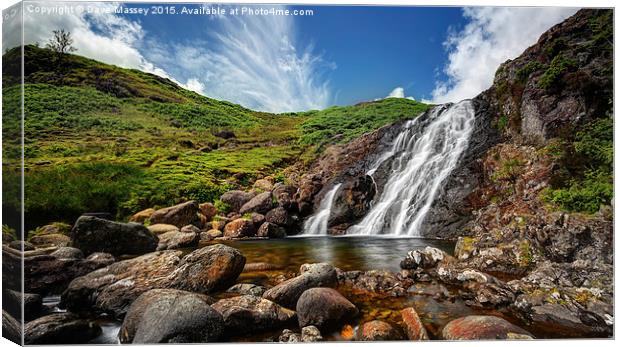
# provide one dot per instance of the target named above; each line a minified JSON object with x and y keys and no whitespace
{"x":317,"y":224}
{"x":426,"y":152}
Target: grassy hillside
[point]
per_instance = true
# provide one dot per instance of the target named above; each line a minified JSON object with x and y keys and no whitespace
{"x":103,"y":138}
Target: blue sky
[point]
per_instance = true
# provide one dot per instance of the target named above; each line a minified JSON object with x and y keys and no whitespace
{"x":339,"y":55}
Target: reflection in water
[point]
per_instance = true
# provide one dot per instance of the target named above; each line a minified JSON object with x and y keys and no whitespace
{"x":347,"y":253}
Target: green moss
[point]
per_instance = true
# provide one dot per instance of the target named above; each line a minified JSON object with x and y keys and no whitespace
{"x":558,"y":67}
{"x":222,"y":207}
{"x":509,"y":170}
{"x":525,"y":257}
{"x":525,"y":72}
{"x":6,"y":230}
{"x":502,"y":122}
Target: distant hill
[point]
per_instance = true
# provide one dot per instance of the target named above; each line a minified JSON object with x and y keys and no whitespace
{"x":103,"y":138}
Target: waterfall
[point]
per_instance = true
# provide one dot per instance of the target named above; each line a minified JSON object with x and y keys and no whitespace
{"x":317,"y":224}
{"x":425,"y":153}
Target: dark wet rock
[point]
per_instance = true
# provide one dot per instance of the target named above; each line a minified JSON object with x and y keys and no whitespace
{"x":236,"y":198}
{"x":142,"y":216}
{"x":280,"y":216}
{"x":261,"y":203}
{"x":171,"y":316}
{"x":60,"y":328}
{"x":257,"y":219}
{"x":247,"y":289}
{"x":412,"y":325}
{"x":21,"y":245}
{"x":47,"y":240}
{"x":177,"y":239}
{"x":312,"y":275}
{"x":284,"y":195}
{"x":427,"y":258}
{"x":113,"y":288}
{"x":45,"y":273}
{"x":324,"y":308}
{"x":208,"y":210}
{"x":11,"y":328}
{"x":289,"y":336}
{"x":482,"y":328}
{"x":239,"y":228}
{"x":159,"y":229}
{"x":311,"y":334}
{"x":271,"y":231}
{"x":178,"y":215}
{"x":248,"y":313}
{"x":352,"y":201}
{"x":12,"y":302}
{"x":7,"y":238}
{"x":377,"y":330}
{"x":68,"y":253}
{"x":92,"y":234}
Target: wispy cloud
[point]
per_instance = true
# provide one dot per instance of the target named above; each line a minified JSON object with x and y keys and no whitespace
{"x":493,"y":35}
{"x":398,"y":92}
{"x":254,"y":61}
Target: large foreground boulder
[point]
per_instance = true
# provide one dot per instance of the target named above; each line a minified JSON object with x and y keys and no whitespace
{"x":14,"y":301}
{"x":178,"y":215}
{"x":248,"y":313}
{"x":377,"y":330}
{"x":11,"y":329}
{"x":483,"y":328}
{"x":312,"y":275}
{"x":171,"y":316}
{"x":412,"y":325}
{"x":112,"y":289}
{"x":60,"y":328}
{"x":92,"y":234}
{"x":324,"y":308}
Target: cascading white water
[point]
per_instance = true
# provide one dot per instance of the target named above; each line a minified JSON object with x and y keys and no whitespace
{"x":317,"y":224}
{"x":426,"y":151}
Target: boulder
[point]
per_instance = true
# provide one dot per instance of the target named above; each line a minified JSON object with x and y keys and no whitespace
{"x":112,"y":289}
{"x":482,"y":328}
{"x":219,"y":223}
{"x":177,"y":239}
{"x":208,"y":210}
{"x":239,"y":228}
{"x":12,"y":302}
{"x":258,"y":219}
{"x":190,"y":229}
{"x":235,"y":199}
{"x":46,"y":273}
{"x":211,"y":234}
{"x":92,"y":234}
{"x":171,"y":316}
{"x":47,"y":240}
{"x":281,"y":217}
{"x":413,"y":325}
{"x":158,"y":229}
{"x":261,"y":203}
{"x":68,"y":253}
{"x":178,"y":215}
{"x":377,"y":330}
{"x":142,"y":216}
{"x":261,"y":266}
{"x":324,"y":308}
{"x":60,"y":328}
{"x":271,"y":231}
{"x":288,"y":292}
{"x":284,"y":196}
{"x":246,"y":289}
{"x":264,"y":184}
{"x":311,"y":334}
{"x":427,"y":258}
{"x":289,"y":336}
{"x":11,"y":328}
{"x":248,"y":313}
{"x":21,"y":245}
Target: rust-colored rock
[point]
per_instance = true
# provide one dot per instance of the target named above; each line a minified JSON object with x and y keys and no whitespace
{"x":481,"y":328}
{"x":377,"y":330}
{"x":413,"y":325}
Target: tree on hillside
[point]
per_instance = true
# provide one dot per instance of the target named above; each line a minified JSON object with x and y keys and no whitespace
{"x":61,"y":43}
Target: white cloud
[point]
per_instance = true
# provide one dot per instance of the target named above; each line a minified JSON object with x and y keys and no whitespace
{"x":195,"y":85}
{"x":104,"y":37}
{"x":493,"y":35}
{"x":254,"y":61}
{"x":399,"y":92}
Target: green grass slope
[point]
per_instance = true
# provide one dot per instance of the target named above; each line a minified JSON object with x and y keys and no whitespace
{"x":102,"y":138}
